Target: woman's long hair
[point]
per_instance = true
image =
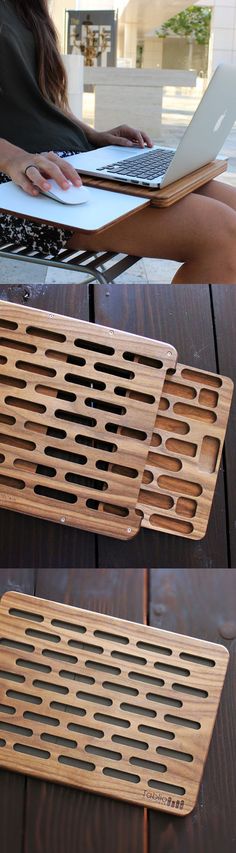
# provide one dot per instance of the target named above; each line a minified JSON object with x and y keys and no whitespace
{"x":51,"y":73}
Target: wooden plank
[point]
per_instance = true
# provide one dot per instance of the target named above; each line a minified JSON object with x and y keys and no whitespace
{"x":30,"y":541}
{"x":183,"y":316}
{"x":12,"y":785}
{"x":58,"y":815}
{"x":98,"y":395}
{"x":202,"y":602}
{"x":117,"y":708}
{"x":224,"y":308}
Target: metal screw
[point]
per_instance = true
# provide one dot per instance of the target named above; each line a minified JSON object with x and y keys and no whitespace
{"x":63,"y":520}
{"x":169,"y":354}
{"x":129,"y":529}
{"x":111,"y":331}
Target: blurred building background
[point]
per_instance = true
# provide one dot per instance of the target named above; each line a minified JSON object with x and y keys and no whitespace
{"x":138,"y":21}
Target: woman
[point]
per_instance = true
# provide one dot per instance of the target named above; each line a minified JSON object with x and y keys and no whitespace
{"x":199,"y":231}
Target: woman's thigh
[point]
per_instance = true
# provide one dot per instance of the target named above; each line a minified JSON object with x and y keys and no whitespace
{"x":178,"y":233}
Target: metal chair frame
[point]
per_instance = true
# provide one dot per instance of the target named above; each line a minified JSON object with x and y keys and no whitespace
{"x":98,"y":265}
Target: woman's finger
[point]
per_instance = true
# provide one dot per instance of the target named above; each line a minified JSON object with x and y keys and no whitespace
{"x":27,"y":186}
{"x":70,"y":173}
{"x":147,"y":139}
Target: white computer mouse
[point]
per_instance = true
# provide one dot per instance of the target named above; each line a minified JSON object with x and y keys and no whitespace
{"x":73,"y":195}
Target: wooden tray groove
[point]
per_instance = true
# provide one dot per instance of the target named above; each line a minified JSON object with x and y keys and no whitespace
{"x":183,"y":463}
{"x":106,"y":705}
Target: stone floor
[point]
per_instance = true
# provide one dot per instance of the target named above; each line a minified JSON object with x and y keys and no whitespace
{"x":178,"y":107}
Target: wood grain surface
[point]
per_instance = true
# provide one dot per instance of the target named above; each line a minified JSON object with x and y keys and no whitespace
{"x":38,"y":816}
{"x":63,"y":384}
{"x":105,"y":704}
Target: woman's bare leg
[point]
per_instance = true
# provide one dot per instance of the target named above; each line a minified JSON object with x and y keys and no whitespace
{"x":219,"y":191}
{"x":199,"y":232}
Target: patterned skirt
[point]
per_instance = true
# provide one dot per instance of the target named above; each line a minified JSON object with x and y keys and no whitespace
{"x":36,"y":236}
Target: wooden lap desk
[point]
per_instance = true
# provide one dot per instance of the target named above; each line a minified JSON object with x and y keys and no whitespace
{"x":109,"y":201}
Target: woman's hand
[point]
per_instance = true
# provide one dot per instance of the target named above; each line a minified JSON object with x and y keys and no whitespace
{"x":122,"y":135}
{"x":32,"y":172}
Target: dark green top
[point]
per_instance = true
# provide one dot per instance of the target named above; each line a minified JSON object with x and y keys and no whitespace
{"x":27,"y":119}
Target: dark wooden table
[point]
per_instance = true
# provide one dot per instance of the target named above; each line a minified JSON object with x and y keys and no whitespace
{"x":40,"y":817}
{"x":200,"y":322}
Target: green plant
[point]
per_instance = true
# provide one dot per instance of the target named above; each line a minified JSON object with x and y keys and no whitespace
{"x":194,"y":23}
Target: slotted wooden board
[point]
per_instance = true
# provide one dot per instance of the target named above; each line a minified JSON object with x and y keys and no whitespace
{"x":107,"y":705}
{"x":183,"y":463}
{"x":78,"y":404}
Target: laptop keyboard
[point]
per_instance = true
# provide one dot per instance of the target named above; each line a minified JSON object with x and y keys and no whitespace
{"x":147,"y":166}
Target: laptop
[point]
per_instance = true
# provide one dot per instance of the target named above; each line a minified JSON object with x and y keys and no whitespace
{"x":158,"y":167}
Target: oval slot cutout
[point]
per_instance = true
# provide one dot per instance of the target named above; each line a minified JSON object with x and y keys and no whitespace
{"x":73,"y":676}
{"x":60,"y":741}
{"x":151,"y":730}
{"x":192,"y":691}
{"x":149,"y":765}
{"x":201,"y":378}
{"x":68,"y":626}
{"x":119,"y":688}
{"x":43,"y":635}
{"x":67,"y":709}
{"x":195,"y":413}
{"x":103,"y":667}
{"x":155,"y":500}
{"x":169,"y":463}
{"x":137,"y":709}
{"x":174,"y":753}
{"x":24,"y":697}
{"x":111,"y":638}
{"x":113,"y":370}
{"x":182,"y":721}
{"x":179,"y":390}
{"x":26,"y":614}
{"x":105,"y":753}
{"x":38,"y":667}
{"x":164,"y":700}
{"x":11,"y":676}
{"x":209,"y":454}
{"x":91,"y":697}
{"x":151,"y":647}
{"x":112,"y":721}
{"x":197,"y":659}
{"x":119,"y":774}
{"x":185,"y":487}
{"x":147,"y":679}
{"x":75,"y":762}
{"x":172,"y":425}
{"x":130,"y":742}
{"x":175,"y":525}
{"x":41,"y":718}
{"x":184,"y":448}
{"x":170,"y":668}
{"x":45,"y":333}
{"x":48,"y":685}
{"x":85,"y":730}
{"x":93,"y":346}
{"x":31,"y":750}
{"x":131,"y":658}
{"x":87,"y":647}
